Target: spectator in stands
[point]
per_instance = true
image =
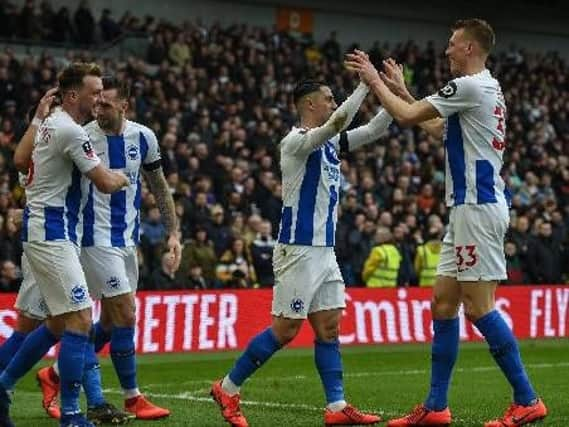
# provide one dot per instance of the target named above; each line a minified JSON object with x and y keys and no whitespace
{"x":10,"y":278}
{"x":219,"y":232}
{"x":546,"y":258}
{"x":84,"y":24}
{"x":62,"y":27}
{"x":110,"y":30}
{"x":179,"y":52}
{"x":153,"y":233}
{"x":196,"y":279}
{"x":514,"y":266}
{"x":520,"y":235}
{"x":381,"y":269}
{"x":235,"y":268}
{"x":164,"y":278}
{"x":406,"y":247}
{"x":361,"y":241}
{"x":262,"y":255}
{"x":199,"y":252}
{"x":427,"y":257}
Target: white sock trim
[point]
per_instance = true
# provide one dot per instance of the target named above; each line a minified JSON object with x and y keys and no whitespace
{"x":129,"y":394}
{"x":337,"y":406}
{"x":229,"y":387}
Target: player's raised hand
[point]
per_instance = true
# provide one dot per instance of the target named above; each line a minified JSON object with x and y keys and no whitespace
{"x":393,"y":76}
{"x":44,"y":106}
{"x":359,"y":62}
{"x":175,"y":249}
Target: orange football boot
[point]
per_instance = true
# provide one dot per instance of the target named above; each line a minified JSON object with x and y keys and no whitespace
{"x":144,"y":409}
{"x":421,"y":416}
{"x":349,"y":416}
{"x":518,"y":415}
{"x":49,"y":384}
{"x":229,"y":405}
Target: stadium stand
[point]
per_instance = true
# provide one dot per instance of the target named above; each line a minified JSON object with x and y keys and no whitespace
{"x":219,"y":99}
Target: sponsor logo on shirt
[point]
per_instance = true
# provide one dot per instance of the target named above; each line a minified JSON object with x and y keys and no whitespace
{"x":449,"y":90}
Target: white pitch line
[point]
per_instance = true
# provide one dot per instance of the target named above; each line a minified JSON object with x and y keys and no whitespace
{"x":199,"y":395}
{"x":386,"y":373}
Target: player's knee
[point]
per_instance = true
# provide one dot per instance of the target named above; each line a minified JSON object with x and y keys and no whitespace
{"x":122,"y":311}
{"x":26,"y":323}
{"x":286,"y":330}
{"x":473,"y":312}
{"x":328,"y":333}
{"x":443,"y":308}
{"x":79,"y":322}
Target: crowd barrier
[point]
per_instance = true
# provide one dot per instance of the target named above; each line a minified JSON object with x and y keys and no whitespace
{"x":192,"y":321}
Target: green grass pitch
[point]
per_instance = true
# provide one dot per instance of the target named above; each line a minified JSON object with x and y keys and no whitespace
{"x":286,"y":392}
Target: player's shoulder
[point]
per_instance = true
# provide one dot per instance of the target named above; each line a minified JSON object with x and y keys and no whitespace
{"x":295,"y":134}
{"x":93,"y":129}
{"x":138,"y":128}
{"x":65,"y":126}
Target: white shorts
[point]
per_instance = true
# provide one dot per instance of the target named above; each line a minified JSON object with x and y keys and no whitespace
{"x":56,"y":268}
{"x":30,"y":301}
{"x":307,"y":280}
{"x":473,"y":247}
{"x":110,"y":271}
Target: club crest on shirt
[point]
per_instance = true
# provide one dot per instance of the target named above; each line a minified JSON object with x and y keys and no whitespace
{"x":297,"y":305}
{"x":78,"y":294}
{"x":132,"y":152}
{"x":449,"y":90}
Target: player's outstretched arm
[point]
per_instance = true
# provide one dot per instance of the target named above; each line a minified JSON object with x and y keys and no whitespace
{"x":336,"y":123}
{"x":165,"y":202}
{"x":373,"y":130}
{"x":23,"y":152}
{"x":395,"y":81}
{"x":404,"y":113}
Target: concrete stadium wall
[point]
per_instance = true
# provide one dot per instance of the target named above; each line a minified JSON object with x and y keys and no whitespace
{"x":534,"y":25}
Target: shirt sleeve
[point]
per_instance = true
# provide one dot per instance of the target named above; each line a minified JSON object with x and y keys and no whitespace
{"x":458,"y":95}
{"x":75,"y":144}
{"x":153,"y":158}
{"x":308,"y":140}
{"x":355,"y":138}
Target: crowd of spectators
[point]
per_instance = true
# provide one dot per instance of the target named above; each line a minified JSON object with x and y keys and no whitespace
{"x":219,"y":100}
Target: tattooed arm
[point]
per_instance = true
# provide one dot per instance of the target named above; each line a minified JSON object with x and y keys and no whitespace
{"x":161,"y":191}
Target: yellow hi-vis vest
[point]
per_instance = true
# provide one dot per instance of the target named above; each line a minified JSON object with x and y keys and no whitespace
{"x":429,"y":261}
{"x":385,"y":274}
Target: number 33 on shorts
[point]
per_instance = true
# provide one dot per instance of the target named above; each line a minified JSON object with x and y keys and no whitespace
{"x":466,"y":257}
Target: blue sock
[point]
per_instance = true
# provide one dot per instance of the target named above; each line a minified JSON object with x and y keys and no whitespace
{"x":10,"y":348}
{"x":329,"y":364}
{"x":34,"y":347}
{"x":102,"y":336}
{"x":123,"y":356}
{"x":71,"y":363}
{"x":92,"y":378}
{"x":259,"y":350}
{"x":444,"y":351}
{"x":504,"y":348}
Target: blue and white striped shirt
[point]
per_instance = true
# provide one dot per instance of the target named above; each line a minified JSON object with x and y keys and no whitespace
{"x":113,"y":220}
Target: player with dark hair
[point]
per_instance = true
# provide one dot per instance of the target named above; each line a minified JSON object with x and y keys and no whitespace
{"x":308,"y":283}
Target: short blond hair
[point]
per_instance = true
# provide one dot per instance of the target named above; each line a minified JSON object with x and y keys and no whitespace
{"x":479,"y":30}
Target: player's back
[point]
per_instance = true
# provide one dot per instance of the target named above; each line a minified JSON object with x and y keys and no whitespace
{"x":61,"y":152}
{"x":310,"y":189}
{"x":475,"y":114}
{"x":112,"y":220}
